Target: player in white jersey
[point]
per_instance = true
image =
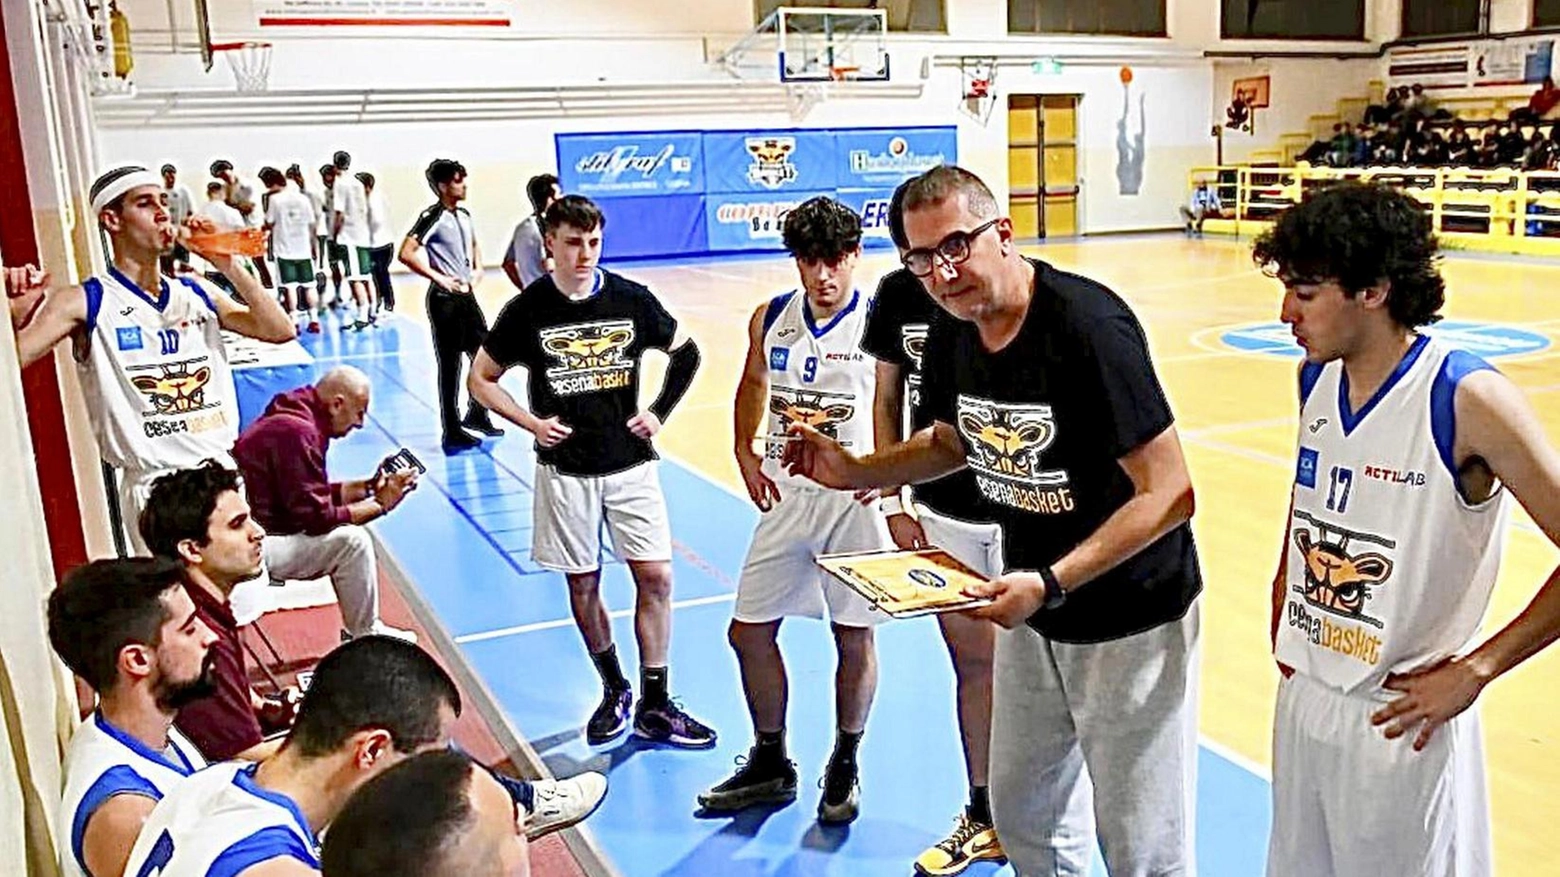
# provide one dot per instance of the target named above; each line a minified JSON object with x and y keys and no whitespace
{"x":354,"y":233}
{"x":290,"y":217}
{"x":129,"y":630}
{"x":374,"y":702}
{"x":153,"y":367}
{"x":454,"y":821}
{"x":805,"y":365}
{"x":1407,"y":451}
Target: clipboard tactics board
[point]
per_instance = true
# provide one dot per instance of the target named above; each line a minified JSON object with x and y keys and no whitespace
{"x":906,"y":584}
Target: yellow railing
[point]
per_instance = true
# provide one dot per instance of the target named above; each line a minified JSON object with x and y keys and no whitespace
{"x":1498,"y":210}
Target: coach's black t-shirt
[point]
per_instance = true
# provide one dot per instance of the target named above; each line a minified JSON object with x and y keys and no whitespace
{"x":1044,"y":421}
{"x":583,"y":363}
{"x":896,"y":333}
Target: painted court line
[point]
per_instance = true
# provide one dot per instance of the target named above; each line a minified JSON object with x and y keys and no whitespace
{"x":569,"y":622}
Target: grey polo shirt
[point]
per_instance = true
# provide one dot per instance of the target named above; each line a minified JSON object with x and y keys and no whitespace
{"x":447,"y":235}
{"x":527,"y":251}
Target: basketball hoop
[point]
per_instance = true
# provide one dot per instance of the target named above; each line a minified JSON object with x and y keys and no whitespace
{"x":979,"y":76}
{"x":840,"y":74}
{"x":250,"y":63}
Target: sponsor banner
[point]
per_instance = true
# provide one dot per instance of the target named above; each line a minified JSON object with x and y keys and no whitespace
{"x":639,"y":228}
{"x":769,"y":161}
{"x":622,"y":165}
{"x":1430,"y":66}
{"x":744,"y":221}
{"x":1512,"y":62}
{"x":875,"y":159}
{"x":872,"y":206}
{"x":384,"y":13}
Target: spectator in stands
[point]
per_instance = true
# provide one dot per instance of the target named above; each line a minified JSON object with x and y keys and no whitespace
{"x":1512,"y":145}
{"x":1544,"y":99}
{"x":129,"y":630}
{"x":198,"y":517}
{"x":1459,"y":146}
{"x":1539,"y":154}
{"x":1364,"y":147}
{"x":314,"y":525}
{"x":447,"y":819}
{"x":1382,"y":113}
{"x":1316,"y":153}
{"x":1343,"y":143}
{"x":1417,"y":103}
{"x":1204,"y":203}
{"x":1487,"y":153}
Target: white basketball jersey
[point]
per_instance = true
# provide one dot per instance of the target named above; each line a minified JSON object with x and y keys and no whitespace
{"x":352,"y":202}
{"x":1389,"y":567}
{"x":292,"y":217}
{"x":819,"y":376}
{"x":156,"y":374}
{"x":103,"y":761}
{"x":219,"y":822}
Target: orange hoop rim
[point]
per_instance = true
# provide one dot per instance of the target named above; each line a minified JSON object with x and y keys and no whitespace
{"x":246,"y":44}
{"x":838,"y":74}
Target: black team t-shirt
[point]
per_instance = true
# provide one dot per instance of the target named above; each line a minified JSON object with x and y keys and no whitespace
{"x":582,"y":362}
{"x":896,"y":333}
{"x":1044,"y":422}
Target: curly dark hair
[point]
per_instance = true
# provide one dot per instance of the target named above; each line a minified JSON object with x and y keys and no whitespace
{"x":1359,"y":234}
{"x":821,"y":229}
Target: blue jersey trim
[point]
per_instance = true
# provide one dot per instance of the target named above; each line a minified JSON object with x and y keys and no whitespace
{"x":94,"y":292}
{"x":163,"y":292}
{"x":1350,"y":419}
{"x":185,"y":768}
{"x":1310,"y":373}
{"x":776,"y":305}
{"x":274,"y":842}
{"x":245,"y":779}
{"x":1443,"y":404}
{"x":118,"y":780}
{"x":855,"y":298}
{"x":199,"y":290}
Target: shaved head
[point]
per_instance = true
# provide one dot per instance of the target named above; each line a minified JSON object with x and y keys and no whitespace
{"x":344,"y":392}
{"x":343,"y":379}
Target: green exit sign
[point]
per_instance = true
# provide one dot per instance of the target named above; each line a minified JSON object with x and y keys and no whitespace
{"x":1046,"y":66}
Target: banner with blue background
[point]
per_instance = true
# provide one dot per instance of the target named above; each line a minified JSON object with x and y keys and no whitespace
{"x":688,"y":193}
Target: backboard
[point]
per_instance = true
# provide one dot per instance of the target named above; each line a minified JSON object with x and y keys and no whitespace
{"x":823,"y":44}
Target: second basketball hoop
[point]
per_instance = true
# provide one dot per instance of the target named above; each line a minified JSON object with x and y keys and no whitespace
{"x":250,"y":63}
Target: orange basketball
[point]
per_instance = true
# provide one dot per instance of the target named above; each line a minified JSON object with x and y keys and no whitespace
{"x":1126,"y":76}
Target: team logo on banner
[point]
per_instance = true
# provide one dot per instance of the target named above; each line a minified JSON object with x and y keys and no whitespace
{"x":771,"y":166}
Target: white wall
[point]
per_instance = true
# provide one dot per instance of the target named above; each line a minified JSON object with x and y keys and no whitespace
{"x":1294,"y":95}
{"x":608,"y":41}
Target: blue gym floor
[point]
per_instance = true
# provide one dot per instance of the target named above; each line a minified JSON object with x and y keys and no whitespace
{"x":464,"y":538}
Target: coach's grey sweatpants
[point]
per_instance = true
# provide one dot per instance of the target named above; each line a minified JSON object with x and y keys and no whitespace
{"x":1105,"y":730}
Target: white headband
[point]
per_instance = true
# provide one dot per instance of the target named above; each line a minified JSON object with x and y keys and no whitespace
{"x":118,"y":182}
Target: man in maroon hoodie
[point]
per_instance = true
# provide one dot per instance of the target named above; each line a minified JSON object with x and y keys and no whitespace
{"x":313,"y":525}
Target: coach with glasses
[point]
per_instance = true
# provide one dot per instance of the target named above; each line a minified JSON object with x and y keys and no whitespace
{"x":1041,"y":383}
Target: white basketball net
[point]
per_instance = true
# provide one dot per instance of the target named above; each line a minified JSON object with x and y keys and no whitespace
{"x":251,"y":65}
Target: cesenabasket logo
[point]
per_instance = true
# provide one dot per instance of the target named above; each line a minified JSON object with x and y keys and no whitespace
{"x":1005,"y":441}
{"x":1336,"y":582}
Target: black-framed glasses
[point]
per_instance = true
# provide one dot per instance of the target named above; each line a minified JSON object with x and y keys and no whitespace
{"x":952,"y":250}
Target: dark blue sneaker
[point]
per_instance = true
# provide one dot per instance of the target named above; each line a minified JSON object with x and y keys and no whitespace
{"x":611,"y":717}
{"x":668,"y":724}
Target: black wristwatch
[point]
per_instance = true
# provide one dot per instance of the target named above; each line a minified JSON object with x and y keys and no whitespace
{"x":1054,"y":595}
